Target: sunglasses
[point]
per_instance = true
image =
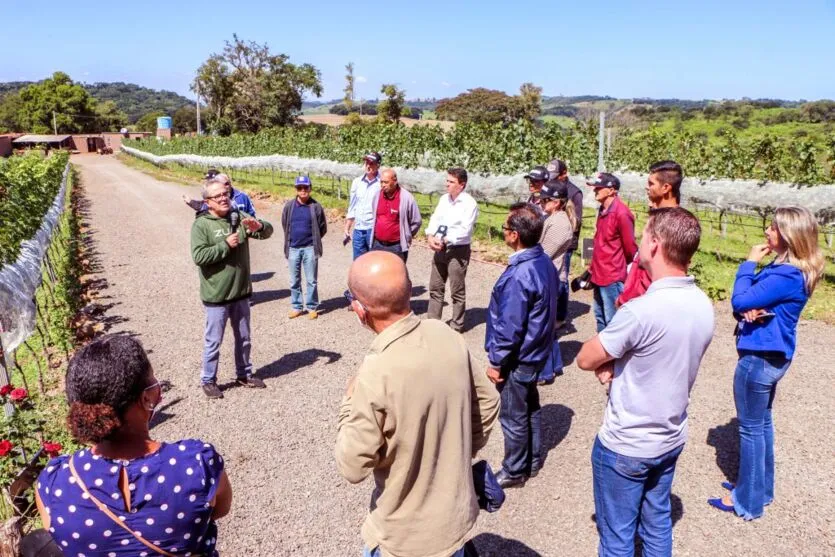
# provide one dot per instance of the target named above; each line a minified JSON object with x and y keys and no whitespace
{"x":299,"y":188}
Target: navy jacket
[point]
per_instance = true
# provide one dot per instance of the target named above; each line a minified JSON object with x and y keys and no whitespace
{"x":779,"y":288}
{"x":522,"y":312}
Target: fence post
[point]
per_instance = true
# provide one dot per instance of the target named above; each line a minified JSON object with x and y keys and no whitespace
{"x":4,"y":375}
{"x":601,"y":167}
{"x":723,"y":225}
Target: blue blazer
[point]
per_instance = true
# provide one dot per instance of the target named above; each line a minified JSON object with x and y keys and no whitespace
{"x":522,"y":312}
{"x":779,"y":288}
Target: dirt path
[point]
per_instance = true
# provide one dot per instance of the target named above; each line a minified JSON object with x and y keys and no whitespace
{"x":289,"y":500}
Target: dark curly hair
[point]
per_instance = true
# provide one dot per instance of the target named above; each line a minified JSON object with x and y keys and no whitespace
{"x":103,"y":379}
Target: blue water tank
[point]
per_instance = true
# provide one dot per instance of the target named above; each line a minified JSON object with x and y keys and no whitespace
{"x":164,"y":123}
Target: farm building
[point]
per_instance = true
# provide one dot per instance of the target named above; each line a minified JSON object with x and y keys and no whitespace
{"x":79,"y":143}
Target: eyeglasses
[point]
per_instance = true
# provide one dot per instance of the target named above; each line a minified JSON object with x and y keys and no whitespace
{"x":507,"y":228}
{"x":300,"y":188}
{"x":219,"y":196}
{"x":149,"y":387}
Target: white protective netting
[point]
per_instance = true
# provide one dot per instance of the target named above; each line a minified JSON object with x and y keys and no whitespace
{"x":733,"y":196}
{"x":19,"y":280}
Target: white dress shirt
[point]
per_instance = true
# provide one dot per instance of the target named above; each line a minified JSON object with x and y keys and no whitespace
{"x":360,"y":203}
{"x":459,"y":216}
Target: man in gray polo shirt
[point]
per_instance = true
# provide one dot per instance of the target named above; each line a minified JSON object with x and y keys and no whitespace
{"x":650,"y":352}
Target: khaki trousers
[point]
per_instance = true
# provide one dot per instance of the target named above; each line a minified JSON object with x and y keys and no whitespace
{"x":449,"y":264}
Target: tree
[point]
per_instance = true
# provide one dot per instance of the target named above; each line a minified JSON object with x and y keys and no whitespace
{"x":349,"y":86}
{"x":11,"y":106}
{"x":73,"y":107}
{"x":530,"y":101}
{"x":248,"y":88}
{"x":184,"y":120}
{"x":479,"y":105}
{"x":148,"y":123}
{"x":391,"y":108}
{"x":110,"y":118}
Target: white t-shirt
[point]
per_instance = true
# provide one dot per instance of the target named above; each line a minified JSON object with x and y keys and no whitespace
{"x":658,"y":341}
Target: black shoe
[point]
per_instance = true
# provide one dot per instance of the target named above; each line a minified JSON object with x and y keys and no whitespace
{"x":506,"y":480}
{"x":252,"y":382}
{"x":212,"y":390}
{"x":543,"y":382}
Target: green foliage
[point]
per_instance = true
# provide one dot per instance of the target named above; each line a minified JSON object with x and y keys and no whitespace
{"x":148,"y":122}
{"x":28,"y":185}
{"x":73,"y":108}
{"x":135,"y":101}
{"x":391,"y":108}
{"x":185,"y":120}
{"x":479,"y":106}
{"x":110,"y":118}
{"x":252,"y":89}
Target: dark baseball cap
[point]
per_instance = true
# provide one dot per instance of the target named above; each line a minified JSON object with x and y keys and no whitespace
{"x":556,"y":167}
{"x":605,"y":180}
{"x":211,"y":173}
{"x":303,"y":182}
{"x":537,"y":173}
{"x":374,"y":157}
{"x":554,"y":189}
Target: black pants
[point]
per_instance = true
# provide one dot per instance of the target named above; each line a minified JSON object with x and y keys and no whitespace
{"x":394,"y":248}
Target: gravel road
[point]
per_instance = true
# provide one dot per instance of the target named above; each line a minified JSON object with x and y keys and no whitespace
{"x":288,"y":497}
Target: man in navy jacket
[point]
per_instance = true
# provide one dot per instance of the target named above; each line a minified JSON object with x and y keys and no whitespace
{"x":520,"y":333}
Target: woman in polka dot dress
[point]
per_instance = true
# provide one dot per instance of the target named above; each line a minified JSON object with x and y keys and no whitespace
{"x":128,"y":494}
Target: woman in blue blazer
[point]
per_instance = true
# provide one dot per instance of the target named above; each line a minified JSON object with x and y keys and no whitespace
{"x":767,"y":304}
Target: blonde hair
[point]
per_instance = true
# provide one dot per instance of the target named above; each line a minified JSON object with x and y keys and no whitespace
{"x":568,"y":207}
{"x":799,"y":230}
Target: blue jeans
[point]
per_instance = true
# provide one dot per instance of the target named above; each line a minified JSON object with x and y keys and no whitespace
{"x":562,"y":299}
{"x":633,"y":495}
{"x":604,"y":303}
{"x":361,"y":241}
{"x":304,"y":258}
{"x":521,"y":419}
{"x":755,"y":384}
{"x":376,"y":552}
{"x":216,"y":316}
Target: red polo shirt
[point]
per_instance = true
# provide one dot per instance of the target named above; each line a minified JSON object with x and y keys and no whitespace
{"x":387,"y":224}
{"x":614,"y":244}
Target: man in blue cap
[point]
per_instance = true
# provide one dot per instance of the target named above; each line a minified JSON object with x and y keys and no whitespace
{"x":304,"y":224}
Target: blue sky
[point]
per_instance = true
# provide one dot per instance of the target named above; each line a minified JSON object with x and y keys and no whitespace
{"x":706,"y":49}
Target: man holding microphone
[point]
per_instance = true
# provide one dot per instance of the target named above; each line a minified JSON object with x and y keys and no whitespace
{"x":220,"y":249}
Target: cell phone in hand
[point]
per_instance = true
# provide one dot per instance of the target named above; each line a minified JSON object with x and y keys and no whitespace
{"x":345,"y":240}
{"x":766,"y":315}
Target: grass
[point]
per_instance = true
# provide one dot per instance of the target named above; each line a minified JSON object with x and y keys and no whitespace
{"x":714,"y":265}
{"x":757,"y":127}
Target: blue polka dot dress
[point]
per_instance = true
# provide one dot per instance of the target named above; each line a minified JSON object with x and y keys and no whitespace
{"x":170,"y":494}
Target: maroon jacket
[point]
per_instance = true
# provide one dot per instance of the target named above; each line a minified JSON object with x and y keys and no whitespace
{"x":614,"y":244}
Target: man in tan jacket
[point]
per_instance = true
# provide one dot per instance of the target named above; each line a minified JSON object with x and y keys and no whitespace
{"x":415,"y":414}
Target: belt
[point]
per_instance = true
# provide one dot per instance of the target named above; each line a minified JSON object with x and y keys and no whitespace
{"x":397,"y":243}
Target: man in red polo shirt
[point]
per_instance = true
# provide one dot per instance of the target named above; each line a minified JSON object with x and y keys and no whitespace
{"x":396,"y":216}
{"x":663,"y":190}
{"x":614,"y":247}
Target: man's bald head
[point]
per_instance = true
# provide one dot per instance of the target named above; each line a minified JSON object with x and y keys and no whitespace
{"x":388,"y":181}
{"x":380,"y":282}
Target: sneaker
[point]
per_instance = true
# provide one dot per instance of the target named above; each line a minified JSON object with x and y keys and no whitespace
{"x":294,"y":313}
{"x":252,"y":382}
{"x":211,"y":390}
{"x":314,"y":314}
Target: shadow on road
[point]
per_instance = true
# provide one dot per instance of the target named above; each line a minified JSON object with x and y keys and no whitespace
{"x":493,"y":545}
{"x":162,"y":414}
{"x":269,"y":296}
{"x":577,"y":309}
{"x":333,"y":304}
{"x":289,"y":363}
{"x":258,"y":277}
{"x":556,"y":422}
{"x":569,"y":350}
{"x":725,"y":439}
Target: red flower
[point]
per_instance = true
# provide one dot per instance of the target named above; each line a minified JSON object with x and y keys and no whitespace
{"x":52,"y":449}
{"x":5,"y":390}
{"x":18,"y":395}
{"x":5,"y":447}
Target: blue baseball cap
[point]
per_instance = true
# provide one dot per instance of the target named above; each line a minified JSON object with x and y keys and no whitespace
{"x":303,"y":181}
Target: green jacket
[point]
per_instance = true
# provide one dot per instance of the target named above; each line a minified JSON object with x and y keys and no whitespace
{"x":224,"y":271}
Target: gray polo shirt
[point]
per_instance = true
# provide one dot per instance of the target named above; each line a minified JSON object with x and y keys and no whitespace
{"x":658,"y":341}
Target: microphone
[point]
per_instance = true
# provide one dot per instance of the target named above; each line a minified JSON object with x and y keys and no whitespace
{"x":234,"y":220}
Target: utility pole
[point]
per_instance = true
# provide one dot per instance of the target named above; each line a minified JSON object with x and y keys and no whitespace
{"x":198,"y":109}
{"x":54,"y":125}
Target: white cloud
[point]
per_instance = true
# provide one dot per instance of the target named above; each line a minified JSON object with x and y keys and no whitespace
{"x":361,"y":79}
{"x":445,"y":84}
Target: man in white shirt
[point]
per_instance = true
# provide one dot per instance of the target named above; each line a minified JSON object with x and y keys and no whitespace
{"x":449,"y":234}
{"x":656,"y":343}
{"x":359,"y":222}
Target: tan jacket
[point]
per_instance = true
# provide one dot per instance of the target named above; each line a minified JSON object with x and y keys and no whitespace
{"x":557,"y":236}
{"x":420,"y":410}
